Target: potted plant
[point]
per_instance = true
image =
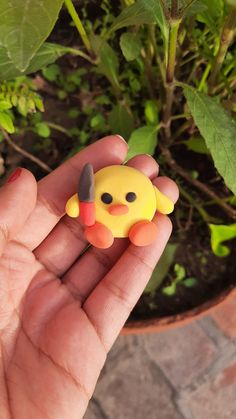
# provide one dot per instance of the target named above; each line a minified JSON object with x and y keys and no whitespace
{"x":162,"y":74}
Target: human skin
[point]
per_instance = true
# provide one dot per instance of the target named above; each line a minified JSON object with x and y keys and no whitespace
{"x":61,"y":313}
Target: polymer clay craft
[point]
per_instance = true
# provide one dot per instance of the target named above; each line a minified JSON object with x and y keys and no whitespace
{"x":117,"y":201}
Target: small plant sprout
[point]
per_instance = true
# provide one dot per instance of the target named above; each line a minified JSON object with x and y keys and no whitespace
{"x":179,"y":279}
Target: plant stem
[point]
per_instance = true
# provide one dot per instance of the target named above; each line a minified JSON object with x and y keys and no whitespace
{"x":25,"y":153}
{"x":231,"y":212}
{"x":165,"y":9}
{"x":180,"y":116}
{"x":227,"y":35}
{"x":204,"y":77}
{"x":58,"y":127}
{"x":167,"y":112}
{"x":82,"y":54}
{"x":174,"y":8}
{"x":172,"y":46}
{"x":194,"y":203}
{"x":159,"y":62}
{"x":148,"y":73}
{"x":79,"y":25}
{"x":170,"y":71}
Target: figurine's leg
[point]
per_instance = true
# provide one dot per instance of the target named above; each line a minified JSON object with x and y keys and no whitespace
{"x":143,"y":233}
{"x":99,"y":236}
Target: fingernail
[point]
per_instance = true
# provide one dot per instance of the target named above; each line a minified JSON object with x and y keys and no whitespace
{"x":14,"y":175}
{"x":121,"y":138}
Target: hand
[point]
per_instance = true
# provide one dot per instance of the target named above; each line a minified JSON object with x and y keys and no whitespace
{"x":61,"y":312}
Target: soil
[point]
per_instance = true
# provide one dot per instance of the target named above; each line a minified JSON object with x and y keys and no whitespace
{"x":213,"y":274}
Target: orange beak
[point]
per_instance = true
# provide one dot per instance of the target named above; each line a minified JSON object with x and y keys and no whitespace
{"x":118,"y":209}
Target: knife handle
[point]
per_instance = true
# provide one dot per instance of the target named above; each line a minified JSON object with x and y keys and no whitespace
{"x":87,"y":213}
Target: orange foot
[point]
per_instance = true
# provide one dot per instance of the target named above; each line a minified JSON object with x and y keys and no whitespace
{"x":143,"y":233}
{"x":99,"y":236}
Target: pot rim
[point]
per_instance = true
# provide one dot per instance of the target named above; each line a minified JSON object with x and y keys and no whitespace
{"x":156,"y":324}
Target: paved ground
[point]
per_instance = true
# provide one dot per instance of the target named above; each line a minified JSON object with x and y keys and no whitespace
{"x":186,"y":373}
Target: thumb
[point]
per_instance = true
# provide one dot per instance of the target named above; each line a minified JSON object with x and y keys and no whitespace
{"x":17,"y":201}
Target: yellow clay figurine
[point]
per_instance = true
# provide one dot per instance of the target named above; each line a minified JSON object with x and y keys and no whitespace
{"x":117,"y":201}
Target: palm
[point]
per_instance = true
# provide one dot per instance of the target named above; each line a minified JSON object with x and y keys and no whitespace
{"x":46,"y":360}
{"x":59,"y":314}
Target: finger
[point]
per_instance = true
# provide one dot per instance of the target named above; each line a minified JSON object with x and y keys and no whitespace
{"x":66,"y":242}
{"x":168,"y":187}
{"x":17,"y":201}
{"x":55,"y":189}
{"x":146,"y":164}
{"x":111,"y":302}
{"x":85,"y":274}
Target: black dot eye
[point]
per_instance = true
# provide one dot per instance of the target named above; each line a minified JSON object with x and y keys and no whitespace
{"x":130,"y":197}
{"x":106,"y":198}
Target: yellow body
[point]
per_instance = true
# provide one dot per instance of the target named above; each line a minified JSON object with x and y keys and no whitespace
{"x":118,"y":181}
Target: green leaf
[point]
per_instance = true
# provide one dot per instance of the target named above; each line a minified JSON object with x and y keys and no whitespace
{"x":51,"y":72}
{"x":231,"y":2}
{"x":130,"y":46}
{"x":180,"y":272}
{"x":233,"y":201}
{"x":213,"y":14}
{"x":154,"y":7}
{"x":6,"y":122}
{"x":162,"y":268}
{"x":14,"y":99}
{"x":73,"y":113}
{"x":103,"y":100}
{"x":142,"y":141}
{"x":121,"y":121}
{"x":136,"y":14}
{"x":97,"y":121}
{"x":195,"y":8}
{"x":24,"y":27}
{"x":5,"y":104}
{"x":151,"y":112}
{"x":197,"y":144}
{"x":39,"y":104}
{"x":170,"y":290}
{"x":190,"y":282}
{"x":47,"y":54}
{"x":108,"y":61}
{"x":43,"y":129}
{"x":194,"y":174}
{"x":219,"y":131}
{"x":219,"y":234}
{"x":83,"y":137}
{"x":22,"y":105}
{"x":141,"y":12}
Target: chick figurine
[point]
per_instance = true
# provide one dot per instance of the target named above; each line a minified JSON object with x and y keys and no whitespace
{"x":117,"y":201}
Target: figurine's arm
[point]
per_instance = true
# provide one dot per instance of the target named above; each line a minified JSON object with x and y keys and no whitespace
{"x":72,"y":206}
{"x":164,"y":204}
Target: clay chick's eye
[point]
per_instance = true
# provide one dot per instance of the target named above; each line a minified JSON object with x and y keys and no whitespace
{"x":106,"y":198}
{"x":130,"y":197}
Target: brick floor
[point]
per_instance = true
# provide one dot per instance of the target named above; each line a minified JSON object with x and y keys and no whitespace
{"x":182,"y":354}
{"x":215,"y":399}
{"x":225,"y":317}
{"x":186,"y":373}
{"x":138,"y":392}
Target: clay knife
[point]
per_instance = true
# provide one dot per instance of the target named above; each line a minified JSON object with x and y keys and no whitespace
{"x":86,"y":195}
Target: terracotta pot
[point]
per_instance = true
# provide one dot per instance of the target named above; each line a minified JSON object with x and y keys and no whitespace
{"x":160,"y":324}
